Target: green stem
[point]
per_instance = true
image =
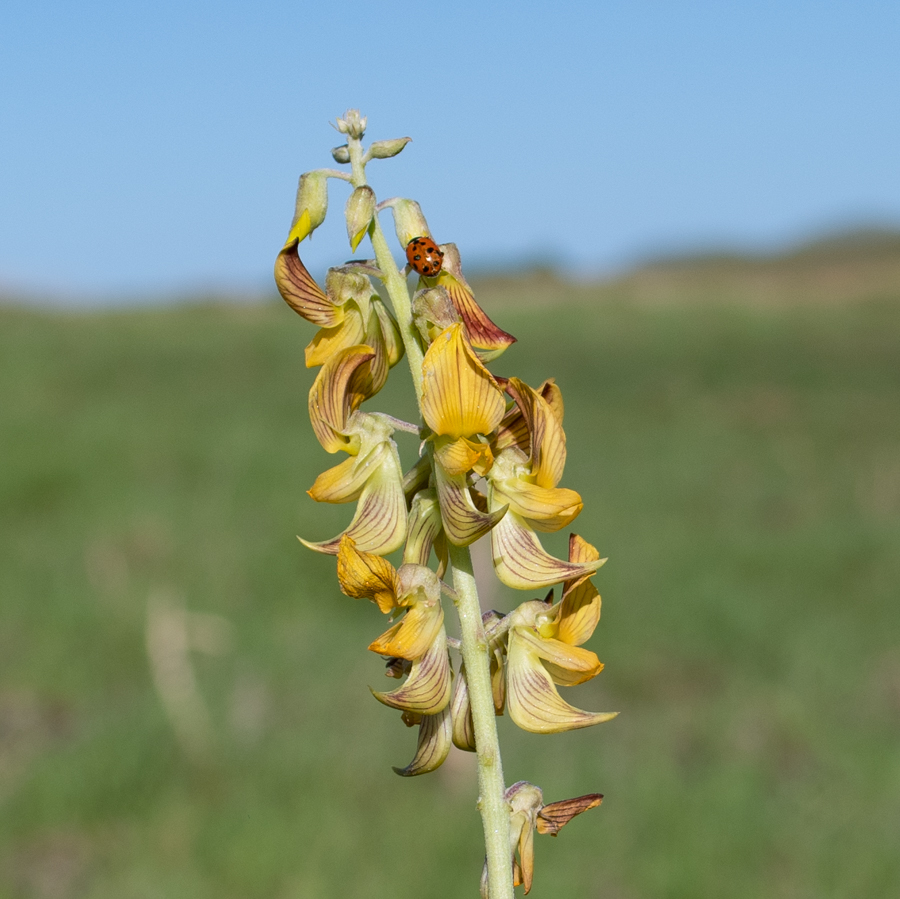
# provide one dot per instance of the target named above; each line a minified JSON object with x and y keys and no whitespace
{"x":491,"y":802}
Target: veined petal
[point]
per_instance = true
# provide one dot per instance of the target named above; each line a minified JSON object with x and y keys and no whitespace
{"x":554,"y":816}
{"x":300,"y":291}
{"x":521,"y":562}
{"x":345,"y":482}
{"x":413,"y":634}
{"x":483,"y":333}
{"x":427,"y":689}
{"x":327,"y":342}
{"x":424,"y":527}
{"x":433,"y":745}
{"x":545,"y":508}
{"x":461,"y":397}
{"x":379,"y":525}
{"x":463,"y":522}
{"x":336,"y":392}
{"x":534,"y":703}
{"x":390,"y":330}
{"x":461,"y":713}
{"x":548,"y":440}
{"x":463,"y":455}
{"x":363,"y":575}
{"x":579,"y":610}
{"x":568,"y":665}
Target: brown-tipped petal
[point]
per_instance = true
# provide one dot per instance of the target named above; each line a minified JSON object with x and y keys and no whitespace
{"x":427,"y":689}
{"x":463,"y":522}
{"x":412,"y":635}
{"x":548,"y":440}
{"x":483,"y":333}
{"x":379,"y":525}
{"x":579,"y":611}
{"x":300,"y":291}
{"x":545,"y":508}
{"x":461,"y":397}
{"x":327,"y":342}
{"x":336,"y":392}
{"x":553,"y":395}
{"x":461,"y":711}
{"x":568,"y":665}
{"x":551,"y":818}
{"x":521,"y":562}
{"x":423,"y":529}
{"x":433,"y":746}
{"x":534,"y":703}
{"x":526,"y":857}
{"x":363,"y":575}
{"x":345,"y":482}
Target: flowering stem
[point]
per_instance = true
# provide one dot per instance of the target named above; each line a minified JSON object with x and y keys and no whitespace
{"x":491,"y":802}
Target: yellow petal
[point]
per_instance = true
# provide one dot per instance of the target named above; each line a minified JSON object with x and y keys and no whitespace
{"x":568,"y":665}
{"x":521,"y":562}
{"x":548,"y":440}
{"x":461,"y":397}
{"x":427,"y":689}
{"x":390,"y":330}
{"x":461,"y":713}
{"x":534,"y":703}
{"x":424,"y":527}
{"x":433,"y":745}
{"x":463,"y":522}
{"x":545,"y":508}
{"x":363,"y":575}
{"x":411,"y":637}
{"x":463,"y":455}
{"x":336,"y":392}
{"x":300,"y":291}
{"x":579,"y":610}
{"x":327,"y":342}
{"x":345,"y":482}
{"x":379,"y":525}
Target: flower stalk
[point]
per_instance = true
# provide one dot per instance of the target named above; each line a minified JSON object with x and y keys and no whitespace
{"x":491,"y":455}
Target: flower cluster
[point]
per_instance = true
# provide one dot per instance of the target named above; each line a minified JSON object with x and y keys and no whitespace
{"x":492,"y":453}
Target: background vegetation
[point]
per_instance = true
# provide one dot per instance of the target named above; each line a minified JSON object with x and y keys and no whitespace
{"x":733,"y":427}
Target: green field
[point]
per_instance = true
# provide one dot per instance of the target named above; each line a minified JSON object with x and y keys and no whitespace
{"x":740,"y":465}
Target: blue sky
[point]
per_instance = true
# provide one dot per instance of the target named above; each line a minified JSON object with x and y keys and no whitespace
{"x":155,"y":147}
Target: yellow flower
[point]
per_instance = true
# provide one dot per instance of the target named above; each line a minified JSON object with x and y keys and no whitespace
{"x":531,"y":455}
{"x":462,"y":404}
{"x":372,"y":475}
{"x":349,"y":312}
{"x":545,"y":650}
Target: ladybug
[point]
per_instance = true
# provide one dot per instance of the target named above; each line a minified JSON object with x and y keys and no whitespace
{"x":424,"y":256}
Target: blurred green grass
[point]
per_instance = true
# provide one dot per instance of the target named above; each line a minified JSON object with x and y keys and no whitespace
{"x":740,"y":466}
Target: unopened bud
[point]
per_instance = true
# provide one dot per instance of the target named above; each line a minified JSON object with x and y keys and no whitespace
{"x":409,"y":221}
{"x":385,"y":149}
{"x":341,"y":154}
{"x":312,"y":204}
{"x":352,"y":124}
{"x":359,"y":212}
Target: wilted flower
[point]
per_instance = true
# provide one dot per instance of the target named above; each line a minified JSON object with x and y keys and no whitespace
{"x":528,"y":813}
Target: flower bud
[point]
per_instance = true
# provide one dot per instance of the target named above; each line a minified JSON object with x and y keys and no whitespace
{"x":384,"y":149}
{"x":352,"y":124}
{"x":359,"y":212}
{"x":409,"y":221}
{"x":341,"y":154}
{"x":312,"y":203}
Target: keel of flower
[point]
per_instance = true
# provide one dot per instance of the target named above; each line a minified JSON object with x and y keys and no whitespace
{"x":433,"y":745}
